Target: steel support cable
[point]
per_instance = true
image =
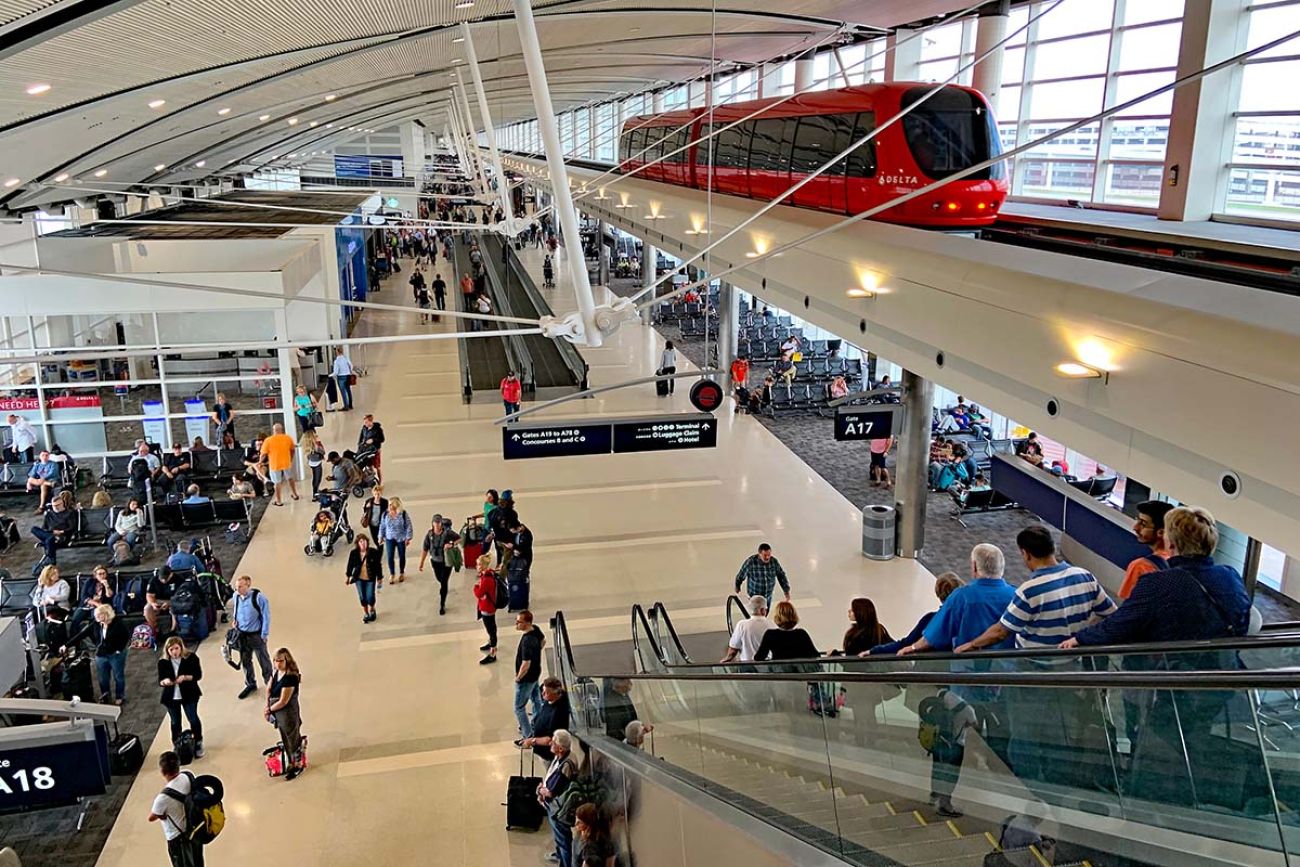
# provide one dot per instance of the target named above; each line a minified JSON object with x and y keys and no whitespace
{"x":252,"y":293}
{"x":870,"y":136}
{"x":979,"y":167}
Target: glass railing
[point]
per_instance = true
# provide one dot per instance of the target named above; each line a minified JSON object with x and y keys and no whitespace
{"x":1150,"y":763}
{"x":670,"y":645}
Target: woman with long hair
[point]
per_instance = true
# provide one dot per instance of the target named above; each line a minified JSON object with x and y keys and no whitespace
{"x":314,"y":450}
{"x":282,"y":708}
{"x":366,"y":571}
{"x":179,"y":673}
{"x":396,"y":531}
{"x":50,"y":595}
{"x":591,"y":838}
{"x":485,"y":591}
{"x":866,"y":631}
{"x":372,"y":513}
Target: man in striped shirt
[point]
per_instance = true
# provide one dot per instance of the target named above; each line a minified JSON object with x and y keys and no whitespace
{"x":1054,"y":733}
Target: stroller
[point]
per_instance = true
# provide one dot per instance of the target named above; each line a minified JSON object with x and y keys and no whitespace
{"x":329,"y":525}
{"x":365,"y":463}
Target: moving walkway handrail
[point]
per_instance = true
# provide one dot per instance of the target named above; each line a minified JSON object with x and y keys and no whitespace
{"x":516,"y":349}
{"x":659,"y":615}
{"x":641,"y":626}
{"x":735,"y":604}
{"x":572,"y":357}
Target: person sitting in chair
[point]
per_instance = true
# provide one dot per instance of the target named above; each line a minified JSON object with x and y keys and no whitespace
{"x":43,"y":476}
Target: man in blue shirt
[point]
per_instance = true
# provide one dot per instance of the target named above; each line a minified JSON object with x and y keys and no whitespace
{"x":193,"y":497}
{"x":184,"y":560}
{"x":972,"y":608}
{"x":44,"y":474}
{"x":253,"y":620}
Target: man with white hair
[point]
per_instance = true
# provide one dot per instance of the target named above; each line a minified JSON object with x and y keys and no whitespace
{"x":22,"y":441}
{"x":748,"y":633}
{"x":971,"y":608}
{"x":558,"y":775}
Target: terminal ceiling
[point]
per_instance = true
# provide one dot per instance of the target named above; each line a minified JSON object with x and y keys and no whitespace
{"x":126,"y":86}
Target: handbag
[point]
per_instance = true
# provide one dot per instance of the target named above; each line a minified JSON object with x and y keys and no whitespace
{"x":352,"y":379}
{"x":316,"y":418}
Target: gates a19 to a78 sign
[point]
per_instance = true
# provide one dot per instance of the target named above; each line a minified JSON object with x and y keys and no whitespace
{"x":864,"y":423}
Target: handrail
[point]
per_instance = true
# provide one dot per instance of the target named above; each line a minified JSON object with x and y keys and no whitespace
{"x":639,"y":618}
{"x":572,"y":357}
{"x":734,"y":601}
{"x":1287,"y":640}
{"x":516,"y":349}
{"x":1281,"y":626}
{"x":660,"y":613}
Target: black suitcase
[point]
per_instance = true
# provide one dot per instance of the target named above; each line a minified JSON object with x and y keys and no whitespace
{"x":77,"y":679}
{"x":661,"y":386}
{"x":125,"y":754}
{"x":518,"y":593}
{"x":523,"y":812}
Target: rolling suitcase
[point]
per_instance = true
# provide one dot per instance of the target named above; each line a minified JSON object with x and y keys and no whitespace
{"x":77,"y":680}
{"x":661,"y":386}
{"x":125,"y":754}
{"x":517,"y":582}
{"x":184,"y":747}
{"x":523,"y":812}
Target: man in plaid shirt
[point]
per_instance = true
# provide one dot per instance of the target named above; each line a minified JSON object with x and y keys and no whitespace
{"x":762,"y":571}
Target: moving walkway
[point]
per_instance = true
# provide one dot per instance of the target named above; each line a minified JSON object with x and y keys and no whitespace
{"x":1143,"y":754}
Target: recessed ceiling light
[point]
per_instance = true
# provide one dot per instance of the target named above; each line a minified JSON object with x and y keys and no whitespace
{"x":12,"y":182}
{"x":58,"y":179}
{"x":861,"y":293}
{"x":464,"y":4}
{"x":264,"y":117}
{"x":455,"y":41}
{"x":291,"y":156}
{"x":293,"y":121}
{"x":200,"y":164}
{"x":160,"y":167}
{"x":223,"y":111}
{"x":158,"y":103}
{"x":457,"y":60}
{"x":101,"y":173}
{"x":1074,"y":370}
{"x":331,"y":97}
{"x":38,"y":89}
{"x":313,"y":123}
{"x":352,"y":129}
{"x":329,"y":126}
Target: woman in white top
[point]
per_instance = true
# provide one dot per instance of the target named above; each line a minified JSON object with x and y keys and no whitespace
{"x":668,"y":364}
{"x":50,"y":595}
{"x":128,"y":524}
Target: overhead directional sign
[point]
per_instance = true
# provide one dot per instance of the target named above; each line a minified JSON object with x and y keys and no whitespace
{"x":666,"y":435}
{"x":864,"y":422}
{"x":569,"y":438}
{"x":555,"y":440}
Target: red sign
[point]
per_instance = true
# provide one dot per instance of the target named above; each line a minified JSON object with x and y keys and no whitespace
{"x":19,"y":404}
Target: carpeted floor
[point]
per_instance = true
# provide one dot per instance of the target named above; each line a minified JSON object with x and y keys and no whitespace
{"x":49,"y":837}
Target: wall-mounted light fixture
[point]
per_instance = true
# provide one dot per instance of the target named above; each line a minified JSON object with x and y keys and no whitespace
{"x":1075,"y":370}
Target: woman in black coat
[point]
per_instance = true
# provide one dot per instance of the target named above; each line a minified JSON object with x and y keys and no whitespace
{"x":112,"y":637}
{"x":366,"y":571}
{"x":179,"y":673}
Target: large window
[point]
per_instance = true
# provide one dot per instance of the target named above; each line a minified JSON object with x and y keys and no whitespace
{"x":1264,"y":171}
{"x":1079,"y":57}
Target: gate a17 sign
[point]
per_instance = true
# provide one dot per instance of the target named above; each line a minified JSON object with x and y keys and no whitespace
{"x":864,"y":423}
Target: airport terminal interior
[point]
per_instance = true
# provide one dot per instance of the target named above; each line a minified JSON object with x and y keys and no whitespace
{"x":492,"y":433}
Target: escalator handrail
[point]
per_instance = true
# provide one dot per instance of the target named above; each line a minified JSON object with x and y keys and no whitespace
{"x":516,"y":350}
{"x":1281,"y":626}
{"x":1179,"y":680}
{"x":639,"y":616}
{"x":572,"y":357}
{"x":658,"y":610}
{"x":734,"y":601}
{"x":1259,"y":642}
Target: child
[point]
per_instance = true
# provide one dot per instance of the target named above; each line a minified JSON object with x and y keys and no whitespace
{"x":321,"y":529}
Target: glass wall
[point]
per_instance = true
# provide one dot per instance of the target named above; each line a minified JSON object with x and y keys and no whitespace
{"x":1263,"y":177}
{"x":1078,"y":58}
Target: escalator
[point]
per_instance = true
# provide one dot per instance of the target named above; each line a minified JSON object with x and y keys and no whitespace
{"x":484,"y":360}
{"x":1126,"y":756}
{"x":556,"y":365}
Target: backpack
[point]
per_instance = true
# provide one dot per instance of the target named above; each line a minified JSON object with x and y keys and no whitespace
{"x":935,"y":732}
{"x":205,"y":815}
{"x":502,"y":591}
{"x":1021,"y":845}
{"x":142,"y":638}
{"x":236,"y":534}
{"x":123,"y":555}
{"x":138,"y":470}
{"x":581,"y":790}
{"x":188,"y":598}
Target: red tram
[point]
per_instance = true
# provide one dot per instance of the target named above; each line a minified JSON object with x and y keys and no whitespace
{"x":764,"y":156}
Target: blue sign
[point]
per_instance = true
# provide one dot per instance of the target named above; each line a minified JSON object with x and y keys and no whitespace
{"x":365,"y":165}
{"x":55,"y":774}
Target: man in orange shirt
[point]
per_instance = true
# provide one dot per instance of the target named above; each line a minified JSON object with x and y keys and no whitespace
{"x":1150,"y":531}
{"x":277,"y":451}
{"x":739,"y":372}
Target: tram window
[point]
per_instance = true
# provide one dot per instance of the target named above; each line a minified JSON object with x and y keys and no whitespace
{"x":766,"y":151}
{"x":862,"y":162}
{"x":680,"y":140}
{"x":731,"y":147}
{"x":952,"y":131}
{"x":654,"y":140}
{"x":819,"y":138}
{"x":637,"y":137}
{"x":624,"y":147}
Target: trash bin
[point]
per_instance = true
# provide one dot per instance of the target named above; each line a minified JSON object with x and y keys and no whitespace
{"x":878,"y":532}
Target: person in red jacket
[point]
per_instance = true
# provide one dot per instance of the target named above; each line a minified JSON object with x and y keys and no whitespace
{"x":511,"y":392}
{"x":485,"y":591}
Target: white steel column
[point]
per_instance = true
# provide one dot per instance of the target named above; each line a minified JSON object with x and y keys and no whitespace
{"x":839,"y":62}
{"x":991,"y":28}
{"x":546,"y":124}
{"x":471,"y":145}
{"x":657,"y":102}
{"x":803,"y":74}
{"x":648,"y":257}
{"x":1201,"y":129}
{"x":767,"y":83}
{"x":503,"y":188}
{"x":903,"y":56}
